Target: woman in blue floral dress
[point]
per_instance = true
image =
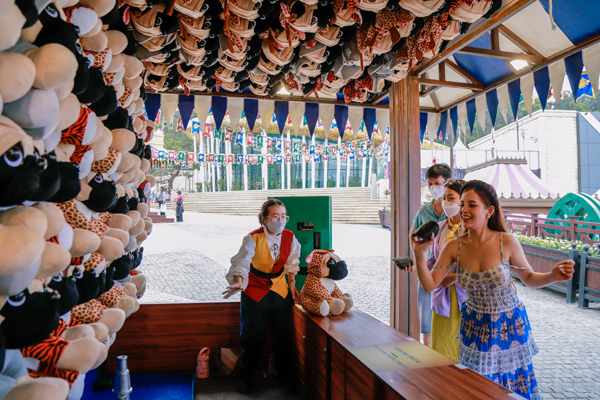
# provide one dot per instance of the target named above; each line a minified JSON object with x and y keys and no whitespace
{"x":495,"y":336}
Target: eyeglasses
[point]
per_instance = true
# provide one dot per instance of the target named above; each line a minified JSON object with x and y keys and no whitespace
{"x":277,"y":218}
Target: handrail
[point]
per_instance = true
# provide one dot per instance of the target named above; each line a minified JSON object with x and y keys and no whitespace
{"x":573,"y":229}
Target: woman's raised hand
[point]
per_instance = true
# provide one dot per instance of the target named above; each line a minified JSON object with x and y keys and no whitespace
{"x":563,"y":271}
{"x":232,"y":289}
{"x":418,"y":246}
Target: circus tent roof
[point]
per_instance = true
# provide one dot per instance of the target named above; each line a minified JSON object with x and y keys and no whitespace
{"x":511,"y":178}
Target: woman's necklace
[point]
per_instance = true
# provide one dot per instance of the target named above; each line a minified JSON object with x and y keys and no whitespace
{"x":454,"y":229}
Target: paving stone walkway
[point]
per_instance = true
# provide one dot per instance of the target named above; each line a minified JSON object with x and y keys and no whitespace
{"x":187,"y":262}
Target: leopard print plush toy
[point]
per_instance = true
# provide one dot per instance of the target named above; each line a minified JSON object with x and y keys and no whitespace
{"x":320,"y":294}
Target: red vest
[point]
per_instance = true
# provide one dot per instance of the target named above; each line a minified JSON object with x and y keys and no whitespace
{"x":258,"y":287}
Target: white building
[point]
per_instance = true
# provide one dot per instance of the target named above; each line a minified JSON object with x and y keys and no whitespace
{"x":568,"y":143}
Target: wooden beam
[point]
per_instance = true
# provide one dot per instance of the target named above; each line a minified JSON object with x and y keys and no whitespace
{"x":246,"y":95}
{"x":592,"y":40}
{"x":504,"y":55}
{"x":478,"y":29}
{"x":442,"y":71}
{"x":462,"y":72}
{"x":380,"y":97}
{"x":429,"y":90}
{"x":495,"y":39}
{"x":460,"y":85}
{"x":435,"y":101}
{"x":518,"y":41}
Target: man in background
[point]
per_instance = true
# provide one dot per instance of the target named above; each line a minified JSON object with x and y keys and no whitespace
{"x":436,"y":176}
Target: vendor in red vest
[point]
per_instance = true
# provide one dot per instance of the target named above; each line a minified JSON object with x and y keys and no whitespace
{"x":258,"y":270}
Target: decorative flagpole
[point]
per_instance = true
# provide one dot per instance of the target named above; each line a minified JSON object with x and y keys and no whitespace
{"x":218,"y":167}
{"x":337,"y":176}
{"x":202,"y":167}
{"x":229,"y":166}
{"x":364,"y":170}
{"x":325,"y":163}
{"x":282,"y":153}
{"x":289,"y":166}
{"x":265,"y":167}
{"x":303,"y":162}
{"x":212,"y":165}
{"x":312,"y":164}
{"x":372,"y":176}
{"x":348,"y":169}
{"x":245,"y":160}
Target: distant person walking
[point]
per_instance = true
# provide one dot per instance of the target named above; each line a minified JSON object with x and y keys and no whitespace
{"x":162,"y":199}
{"x":179,"y":207}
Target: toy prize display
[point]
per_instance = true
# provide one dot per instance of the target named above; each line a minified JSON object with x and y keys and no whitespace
{"x":73,"y":211}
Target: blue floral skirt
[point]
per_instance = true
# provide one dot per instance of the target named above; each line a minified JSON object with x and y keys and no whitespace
{"x":500,"y":346}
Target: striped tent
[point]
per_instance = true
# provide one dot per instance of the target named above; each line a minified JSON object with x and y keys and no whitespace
{"x":511,"y":178}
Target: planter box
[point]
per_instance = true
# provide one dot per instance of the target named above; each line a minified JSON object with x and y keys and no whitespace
{"x":543,"y":260}
{"x":385,"y":218}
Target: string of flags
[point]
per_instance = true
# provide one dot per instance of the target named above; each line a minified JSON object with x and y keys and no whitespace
{"x":291,"y":153}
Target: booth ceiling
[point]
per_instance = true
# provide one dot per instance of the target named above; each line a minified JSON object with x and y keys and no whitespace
{"x":326,"y":49}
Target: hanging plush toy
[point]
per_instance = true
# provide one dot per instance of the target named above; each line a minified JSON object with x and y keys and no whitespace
{"x":320,"y":294}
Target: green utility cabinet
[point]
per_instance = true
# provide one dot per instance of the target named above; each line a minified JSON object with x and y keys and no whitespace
{"x":310,"y":220}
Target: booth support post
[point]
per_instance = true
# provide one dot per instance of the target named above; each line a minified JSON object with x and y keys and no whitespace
{"x":405,"y":184}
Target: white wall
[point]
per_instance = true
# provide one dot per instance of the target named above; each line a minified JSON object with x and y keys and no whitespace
{"x":554,"y":134}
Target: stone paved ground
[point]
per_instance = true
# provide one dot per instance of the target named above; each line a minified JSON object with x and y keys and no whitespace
{"x":188,"y":261}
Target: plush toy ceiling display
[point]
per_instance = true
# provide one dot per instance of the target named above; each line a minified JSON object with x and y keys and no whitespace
{"x":320,"y":294}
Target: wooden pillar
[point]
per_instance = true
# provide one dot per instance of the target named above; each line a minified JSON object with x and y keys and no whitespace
{"x":405,"y":188}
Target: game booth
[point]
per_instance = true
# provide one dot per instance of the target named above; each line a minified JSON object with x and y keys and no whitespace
{"x":82,"y":85}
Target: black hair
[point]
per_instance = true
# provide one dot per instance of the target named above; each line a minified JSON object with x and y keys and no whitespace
{"x":455,"y":185}
{"x":438,"y":170}
{"x":264,"y":210}
{"x":488,"y":196}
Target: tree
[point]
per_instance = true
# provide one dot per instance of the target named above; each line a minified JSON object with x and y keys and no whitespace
{"x":175,"y":140}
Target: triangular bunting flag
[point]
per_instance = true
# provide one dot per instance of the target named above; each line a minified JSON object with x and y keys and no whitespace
{"x":186,"y":106}
{"x":471,"y":112}
{"x":480,"y":106}
{"x":454,"y":119}
{"x":591,"y":60}
{"x":527,"y":91}
{"x":251,"y":111}
{"x":369,"y":118}
{"x":492,"y":103}
{"x":281,"y":114}
{"x":541,"y":79}
{"x":152,"y":104}
{"x":219,"y":108}
{"x":341,"y":118}
{"x":311,"y":112}
{"x":557,"y":73}
{"x":574,"y":66}
{"x":514,"y":95}
{"x":422,"y":125}
{"x":503,"y":101}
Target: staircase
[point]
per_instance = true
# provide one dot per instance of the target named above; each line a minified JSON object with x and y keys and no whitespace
{"x":157,"y":218}
{"x":349,"y":205}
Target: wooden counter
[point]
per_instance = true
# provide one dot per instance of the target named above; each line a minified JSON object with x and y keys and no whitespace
{"x":329,"y":363}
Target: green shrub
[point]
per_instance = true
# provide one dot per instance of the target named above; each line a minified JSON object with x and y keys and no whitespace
{"x":330,"y":182}
{"x":354,"y":181}
{"x":555,"y":244}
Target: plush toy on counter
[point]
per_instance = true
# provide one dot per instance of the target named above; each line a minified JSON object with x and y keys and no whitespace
{"x":320,"y":294}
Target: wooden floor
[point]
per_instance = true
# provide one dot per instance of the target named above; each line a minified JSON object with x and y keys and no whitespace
{"x":225,"y":389}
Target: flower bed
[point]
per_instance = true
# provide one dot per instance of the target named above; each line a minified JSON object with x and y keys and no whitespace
{"x":555,"y":244}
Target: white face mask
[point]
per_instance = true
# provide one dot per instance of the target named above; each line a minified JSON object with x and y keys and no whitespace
{"x":451,"y":209}
{"x":276,"y":227}
{"x":436,"y":191}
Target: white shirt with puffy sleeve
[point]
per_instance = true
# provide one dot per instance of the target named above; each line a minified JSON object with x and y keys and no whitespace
{"x":240,"y":263}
